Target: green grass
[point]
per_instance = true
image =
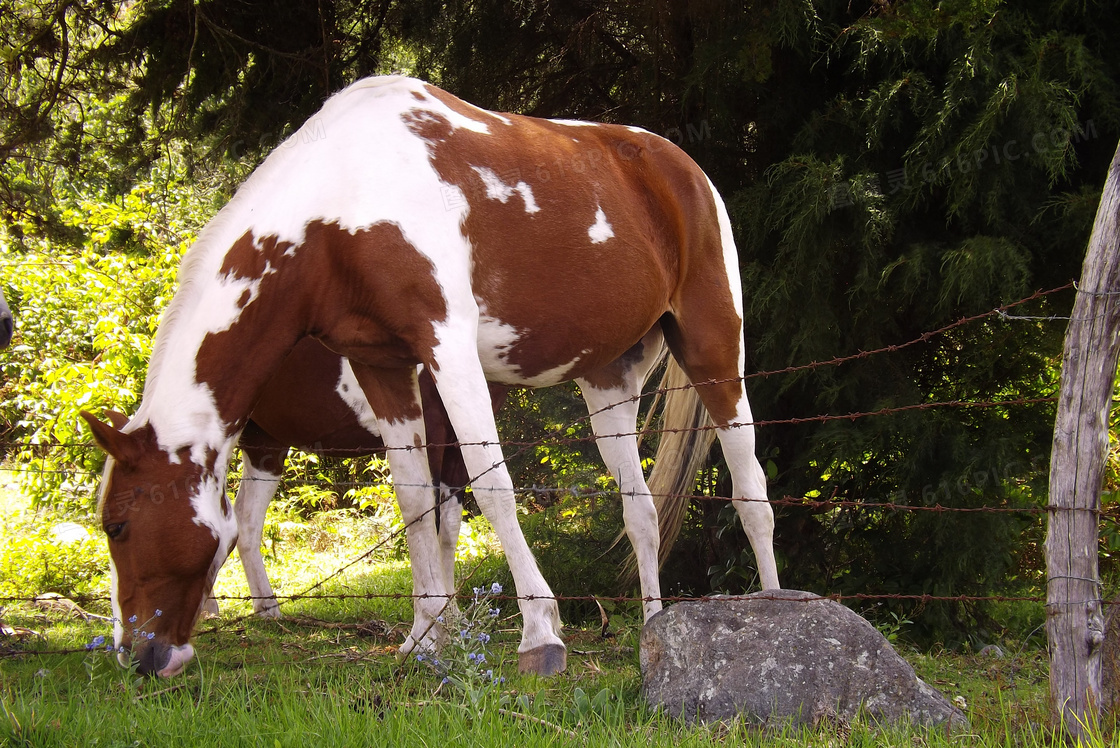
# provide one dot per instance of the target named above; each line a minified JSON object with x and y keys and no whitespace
{"x":327,"y":674}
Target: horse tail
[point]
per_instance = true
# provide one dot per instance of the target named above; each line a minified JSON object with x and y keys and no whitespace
{"x":686,"y":439}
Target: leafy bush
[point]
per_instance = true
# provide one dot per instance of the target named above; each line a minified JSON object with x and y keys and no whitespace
{"x":34,"y":561}
{"x":87,"y":315}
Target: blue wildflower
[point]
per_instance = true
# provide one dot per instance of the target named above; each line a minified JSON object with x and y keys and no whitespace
{"x":494,"y":612}
{"x":483,"y":637}
{"x":158,"y":612}
{"x":96,"y":642}
{"x":419,"y":658}
{"x":151,"y":635}
{"x":495,"y":589}
{"x":132,"y":619}
{"x":439,"y":619}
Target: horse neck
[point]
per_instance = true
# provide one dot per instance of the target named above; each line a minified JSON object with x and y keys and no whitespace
{"x":213,"y":355}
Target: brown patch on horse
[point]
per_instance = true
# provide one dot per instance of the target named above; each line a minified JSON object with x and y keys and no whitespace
{"x":369,"y":295}
{"x":300,"y":406}
{"x":649,"y":192}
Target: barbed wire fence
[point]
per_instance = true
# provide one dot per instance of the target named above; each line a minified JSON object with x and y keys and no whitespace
{"x":561,"y":437}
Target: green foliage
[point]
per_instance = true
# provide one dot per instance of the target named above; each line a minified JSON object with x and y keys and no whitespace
{"x":466,"y":663}
{"x":87,"y":316}
{"x":35,"y":562}
{"x":915,"y":193}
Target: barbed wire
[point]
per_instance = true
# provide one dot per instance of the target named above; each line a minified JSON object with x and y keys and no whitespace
{"x":556,"y":439}
{"x":559,"y":439}
{"x":463,"y":597}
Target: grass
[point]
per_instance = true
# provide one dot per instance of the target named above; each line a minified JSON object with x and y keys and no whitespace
{"x":327,"y":674}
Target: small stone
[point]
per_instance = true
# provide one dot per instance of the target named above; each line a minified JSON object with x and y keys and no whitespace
{"x":992,"y":650}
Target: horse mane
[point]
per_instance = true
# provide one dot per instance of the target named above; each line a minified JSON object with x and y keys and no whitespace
{"x":186,"y":297}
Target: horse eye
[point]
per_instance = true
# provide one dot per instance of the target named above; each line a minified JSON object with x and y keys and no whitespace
{"x":114,"y":530}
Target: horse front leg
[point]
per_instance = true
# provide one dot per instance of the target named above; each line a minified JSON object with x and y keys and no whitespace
{"x":462,"y":386}
{"x":395,"y":398}
{"x":262,"y":465}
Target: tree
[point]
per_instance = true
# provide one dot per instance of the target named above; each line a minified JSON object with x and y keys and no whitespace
{"x":889,"y":166}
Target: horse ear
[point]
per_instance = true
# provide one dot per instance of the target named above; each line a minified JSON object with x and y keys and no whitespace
{"x":116,"y":418}
{"x":121,"y":446}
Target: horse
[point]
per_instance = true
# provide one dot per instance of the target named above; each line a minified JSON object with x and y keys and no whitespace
{"x":331,"y":418}
{"x":7,"y":322}
{"x":402,"y":226}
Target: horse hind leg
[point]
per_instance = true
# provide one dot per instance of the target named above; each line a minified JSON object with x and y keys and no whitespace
{"x":751,"y":503}
{"x":612,"y":399}
{"x":705,"y":335}
{"x":725,"y":399}
{"x":449,"y":475}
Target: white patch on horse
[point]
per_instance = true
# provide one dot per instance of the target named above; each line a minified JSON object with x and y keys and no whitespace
{"x":351,"y":393}
{"x":181,"y":410}
{"x":212,"y":511}
{"x":496,"y":340}
{"x":526,"y":193}
{"x":115,"y":602}
{"x":573,"y":123}
{"x":730,"y":263}
{"x":601,"y":230}
{"x":496,"y":189}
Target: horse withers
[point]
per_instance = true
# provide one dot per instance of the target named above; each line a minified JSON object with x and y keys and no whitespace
{"x":402,"y":226}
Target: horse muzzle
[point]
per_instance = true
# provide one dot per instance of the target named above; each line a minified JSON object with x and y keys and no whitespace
{"x":164,"y":660}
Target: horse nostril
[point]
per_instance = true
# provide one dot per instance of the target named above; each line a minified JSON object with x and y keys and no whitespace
{"x":153,"y":658}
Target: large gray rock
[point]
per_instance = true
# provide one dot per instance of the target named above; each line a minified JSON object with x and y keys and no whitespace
{"x":781,"y":656}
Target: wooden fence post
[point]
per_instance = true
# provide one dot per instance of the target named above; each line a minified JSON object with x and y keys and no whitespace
{"x":1074,"y":624}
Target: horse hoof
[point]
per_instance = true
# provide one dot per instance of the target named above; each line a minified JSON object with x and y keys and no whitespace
{"x":548,"y":659}
{"x":273,"y":611}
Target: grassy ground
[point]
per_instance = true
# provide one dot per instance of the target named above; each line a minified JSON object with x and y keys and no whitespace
{"x":327,"y":674}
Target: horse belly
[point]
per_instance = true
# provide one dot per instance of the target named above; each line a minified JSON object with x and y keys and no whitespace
{"x":559,"y":351}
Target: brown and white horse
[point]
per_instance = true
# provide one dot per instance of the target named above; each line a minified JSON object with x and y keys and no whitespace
{"x":401,"y":226}
{"x":314,"y":403}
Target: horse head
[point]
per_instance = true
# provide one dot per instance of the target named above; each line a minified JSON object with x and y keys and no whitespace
{"x":164,"y":551}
